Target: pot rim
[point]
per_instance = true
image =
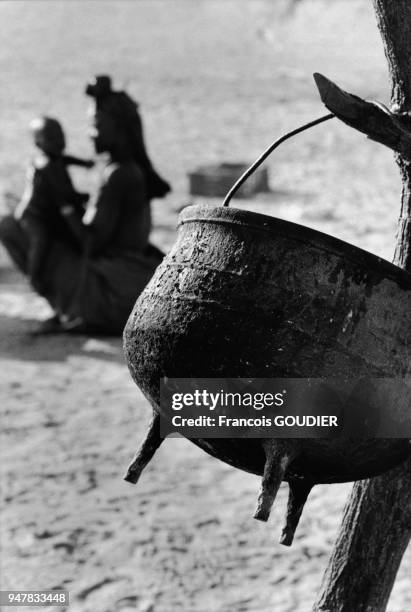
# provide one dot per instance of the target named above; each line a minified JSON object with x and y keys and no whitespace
{"x":273,"y":225}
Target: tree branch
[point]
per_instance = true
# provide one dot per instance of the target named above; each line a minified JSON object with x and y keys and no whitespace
{"x":370,"y":118}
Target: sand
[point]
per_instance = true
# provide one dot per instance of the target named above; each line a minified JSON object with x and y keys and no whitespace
{"x":183,"y":539}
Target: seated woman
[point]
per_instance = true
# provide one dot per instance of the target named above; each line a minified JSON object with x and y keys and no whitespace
{"x":94,"y":271}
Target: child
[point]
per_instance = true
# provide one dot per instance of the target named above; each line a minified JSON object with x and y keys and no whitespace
{"x":49,"y":187}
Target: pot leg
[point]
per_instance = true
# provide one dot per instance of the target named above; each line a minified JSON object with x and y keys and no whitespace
{"x":299,"y":491}
{"x":278,"y":458}
{"x":146,"y":451}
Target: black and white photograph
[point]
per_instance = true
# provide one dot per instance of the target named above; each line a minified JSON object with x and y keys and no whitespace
{"x":205,"y":305}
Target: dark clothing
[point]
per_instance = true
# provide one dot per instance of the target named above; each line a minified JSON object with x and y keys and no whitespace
{"x":99,"y":272}
{"x":157,"y":187}
{"x":49,"y":186}
{"x":119,"y":220}
{"x":119,"y":104}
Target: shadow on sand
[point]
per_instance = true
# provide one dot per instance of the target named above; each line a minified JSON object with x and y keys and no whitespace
{"x":18,"y":342}
{"x":16,"y":328}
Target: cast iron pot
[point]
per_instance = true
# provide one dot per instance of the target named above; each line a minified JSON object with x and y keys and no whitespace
{"x":244,"y":295}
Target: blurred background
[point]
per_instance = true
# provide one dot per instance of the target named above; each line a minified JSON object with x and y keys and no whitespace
{"x":216,"y":82}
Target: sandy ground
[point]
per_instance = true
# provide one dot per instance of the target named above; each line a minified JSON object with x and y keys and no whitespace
{"x":183,"y":539}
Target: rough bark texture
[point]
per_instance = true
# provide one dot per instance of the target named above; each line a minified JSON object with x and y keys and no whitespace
{"x":374,"y":536}
{"x":394,"y":20}
{"x":376,"y":527}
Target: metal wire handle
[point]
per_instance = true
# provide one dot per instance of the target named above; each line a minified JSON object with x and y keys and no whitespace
{"x":268,"y":151}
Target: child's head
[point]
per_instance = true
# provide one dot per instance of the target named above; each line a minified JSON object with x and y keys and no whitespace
{"x":48,"y":135}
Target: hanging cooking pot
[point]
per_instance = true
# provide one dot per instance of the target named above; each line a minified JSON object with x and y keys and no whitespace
{"x":245,"y":295}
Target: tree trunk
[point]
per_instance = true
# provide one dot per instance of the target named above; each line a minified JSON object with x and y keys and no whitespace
{"x":376,"y":527}
{"x":374,"y":535}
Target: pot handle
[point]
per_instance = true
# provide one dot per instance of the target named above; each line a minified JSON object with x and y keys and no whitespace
{"x":268,"y":151}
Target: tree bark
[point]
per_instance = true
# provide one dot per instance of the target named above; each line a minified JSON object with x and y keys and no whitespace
{"x":394,"y":21}
{"x":376,"y":527}
{"x":374,"y":535}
